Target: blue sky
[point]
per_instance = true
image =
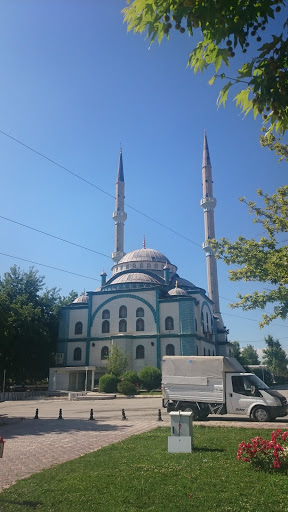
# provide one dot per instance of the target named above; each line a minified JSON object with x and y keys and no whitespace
{"x":74,"y":86}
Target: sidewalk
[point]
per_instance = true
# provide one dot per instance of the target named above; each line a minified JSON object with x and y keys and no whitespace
{"x":32,"y":445}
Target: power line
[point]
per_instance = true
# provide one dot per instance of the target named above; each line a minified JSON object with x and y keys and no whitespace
{"x":251,"y":319}
{"x":98,"y":188}
{"x":48,"y":266}
{"x":54,"y":236}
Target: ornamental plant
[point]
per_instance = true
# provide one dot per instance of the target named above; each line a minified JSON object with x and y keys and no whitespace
{"x":266,"y":455}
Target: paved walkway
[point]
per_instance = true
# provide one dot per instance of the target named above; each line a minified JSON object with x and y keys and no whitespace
{"x":33,"y":445}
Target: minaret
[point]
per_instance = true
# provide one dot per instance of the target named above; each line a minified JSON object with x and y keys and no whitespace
{"x":208,"y":203}
{"x":119,"y":215}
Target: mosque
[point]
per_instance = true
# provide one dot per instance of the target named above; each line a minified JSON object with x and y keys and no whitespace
{"x":145,"y":307}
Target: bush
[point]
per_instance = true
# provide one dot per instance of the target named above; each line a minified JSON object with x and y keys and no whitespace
{"x":131,"y":376}
{"x":108,"y":383}
{"x":150,"y":378}
{"x":126,"y":388}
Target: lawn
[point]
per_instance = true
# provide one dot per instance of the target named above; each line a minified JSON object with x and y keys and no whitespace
{"x":139,"y":474}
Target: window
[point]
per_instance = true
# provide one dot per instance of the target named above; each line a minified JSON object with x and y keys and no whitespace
{"x":78,"y":328}
{"x":104,"y":353}
{"x":140,"y":352}
{"x":106,"y":314}
{"x":170,"y":350}
{"x":122,"y":326}
{"x":122,"y":312}
{"x":77,"y":354}
{"x":209,"y":352}
{"x":202,"y":321}
{"x":207,"y":320}
{"x":105,"y":326}
{"x":204,"y":352}
{"x":169,"y":323}
{"x":196,"y":327}
{"x":139,"y":324}
{"x":140,"y":312}
{"x":148,"y":265}
{"x":197,"y":351}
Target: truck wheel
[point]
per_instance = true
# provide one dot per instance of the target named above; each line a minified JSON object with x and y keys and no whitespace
{"x":260,"y":414}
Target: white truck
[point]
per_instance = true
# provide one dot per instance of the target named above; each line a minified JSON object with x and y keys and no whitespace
{"x":217,"y":385}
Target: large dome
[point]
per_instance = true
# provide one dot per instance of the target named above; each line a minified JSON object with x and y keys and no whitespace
{"x":144,"y":255}
{"x":135,"y":277}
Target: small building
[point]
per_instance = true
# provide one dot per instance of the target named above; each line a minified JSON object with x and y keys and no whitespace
{"x":145,"y":307}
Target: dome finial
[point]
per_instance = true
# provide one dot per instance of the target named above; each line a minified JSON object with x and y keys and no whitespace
{"x":144,"y":242}
{"x":176,"y":284}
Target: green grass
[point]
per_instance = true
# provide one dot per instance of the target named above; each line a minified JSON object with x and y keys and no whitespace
{"x":140,"y":475}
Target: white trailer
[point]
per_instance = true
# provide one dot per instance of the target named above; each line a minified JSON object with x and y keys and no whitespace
{"x":217,"y":385}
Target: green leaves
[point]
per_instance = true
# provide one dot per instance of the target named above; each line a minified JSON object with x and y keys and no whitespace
{"x":225,"y":29}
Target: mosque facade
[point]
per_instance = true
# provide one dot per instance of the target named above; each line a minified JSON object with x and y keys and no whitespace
{"x":145,"y":307}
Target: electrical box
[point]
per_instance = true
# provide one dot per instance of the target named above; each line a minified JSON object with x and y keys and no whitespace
{"x":181,"y":439}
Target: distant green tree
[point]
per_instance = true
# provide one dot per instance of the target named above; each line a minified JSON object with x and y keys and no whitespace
{"x":249,"y":355}
{"x":237,"y":351}
{"x":117,"y":361}
{"x":28,"y":325}
{"x":275,"y":357}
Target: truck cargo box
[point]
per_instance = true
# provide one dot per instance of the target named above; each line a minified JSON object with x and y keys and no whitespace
{"x":197,"y":378}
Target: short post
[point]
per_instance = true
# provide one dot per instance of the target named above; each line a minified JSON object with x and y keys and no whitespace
{"x":159,"y":415}
{"x":91,"y":415}
{"x":1,"y":446}
{"x":123,"y":415}
{"x":36,"y":417}
{"x":60,"y":417}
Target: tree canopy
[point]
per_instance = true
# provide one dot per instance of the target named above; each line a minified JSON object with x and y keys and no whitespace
{"x":28,"y":325}
{"x":263,"y":261}
{"x":275,"y":357}
{"x":247,"y":355}
{"x":223,"y":29}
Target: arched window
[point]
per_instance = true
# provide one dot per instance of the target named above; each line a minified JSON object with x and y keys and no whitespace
{"x":139,"y":312}
{"x":196,"y":327}
{"x":169,"y":323}
{"x":78,"y":328}
{"x":213,"y":353}
{"x":208,"y":351}
{"x":122,"y":326}
{"x":104,"y":353}
{"x":207,"y":319}
{"x":148,"y":265}
{"x":204,"y":352}
{"x":139,"y":324}
{"x":106,"y":314}
{"x":122,"y":312}
{"x":105,"y":326}
{"x":197,"y":351}
{"x":140,"y":352}
{"x":202,"y":321}
{"x":77,"y":354}
{"x":170,"y":350}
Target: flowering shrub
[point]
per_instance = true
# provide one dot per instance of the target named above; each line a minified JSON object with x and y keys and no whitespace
{"x":264,"y":454}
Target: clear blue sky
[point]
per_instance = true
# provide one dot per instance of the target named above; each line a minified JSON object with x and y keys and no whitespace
{"x":74,"y":86}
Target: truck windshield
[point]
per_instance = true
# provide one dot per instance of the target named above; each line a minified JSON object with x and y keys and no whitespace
{"x":247,"y":384}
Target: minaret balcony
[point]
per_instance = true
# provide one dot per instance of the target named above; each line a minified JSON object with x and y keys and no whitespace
{"x":208,"y":203}
{"x":119,"y":216}
{"x":207,"y":248}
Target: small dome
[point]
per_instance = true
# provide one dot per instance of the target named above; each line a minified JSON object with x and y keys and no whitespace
{"x":144,"y":255}
{"x":135,"y":277}
{"x":83,"y":299}
{"x":178,"y":292}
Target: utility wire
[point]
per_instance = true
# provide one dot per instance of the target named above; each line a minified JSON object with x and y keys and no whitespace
{"x":54,"y":236}
{"x":48,"y":266}
{"x":98,"y":188}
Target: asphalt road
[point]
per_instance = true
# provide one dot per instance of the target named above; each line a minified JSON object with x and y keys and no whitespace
{"x":109,"y":410}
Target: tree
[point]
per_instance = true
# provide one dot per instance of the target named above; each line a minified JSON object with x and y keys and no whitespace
{"x":263,"y":261}
{"x":222,"y":29}
{"x":150,"y":377}
{"x":237,"y":351}
{"x":249,"y":355}
{"x":117,"y":361}
{"x":28,"y":325}
{"x":275,"y":357}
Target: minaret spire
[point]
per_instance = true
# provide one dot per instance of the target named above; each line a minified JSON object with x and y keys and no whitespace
{"x":208,"y":203}
{"x":119,"y":214}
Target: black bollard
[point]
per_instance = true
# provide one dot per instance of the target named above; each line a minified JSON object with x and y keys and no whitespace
{"x":60,"y":417}
{"x":123,"y":415}
{"x":159,"y":415}
{"x":36,"y":417}
{"x":91,"y":415}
